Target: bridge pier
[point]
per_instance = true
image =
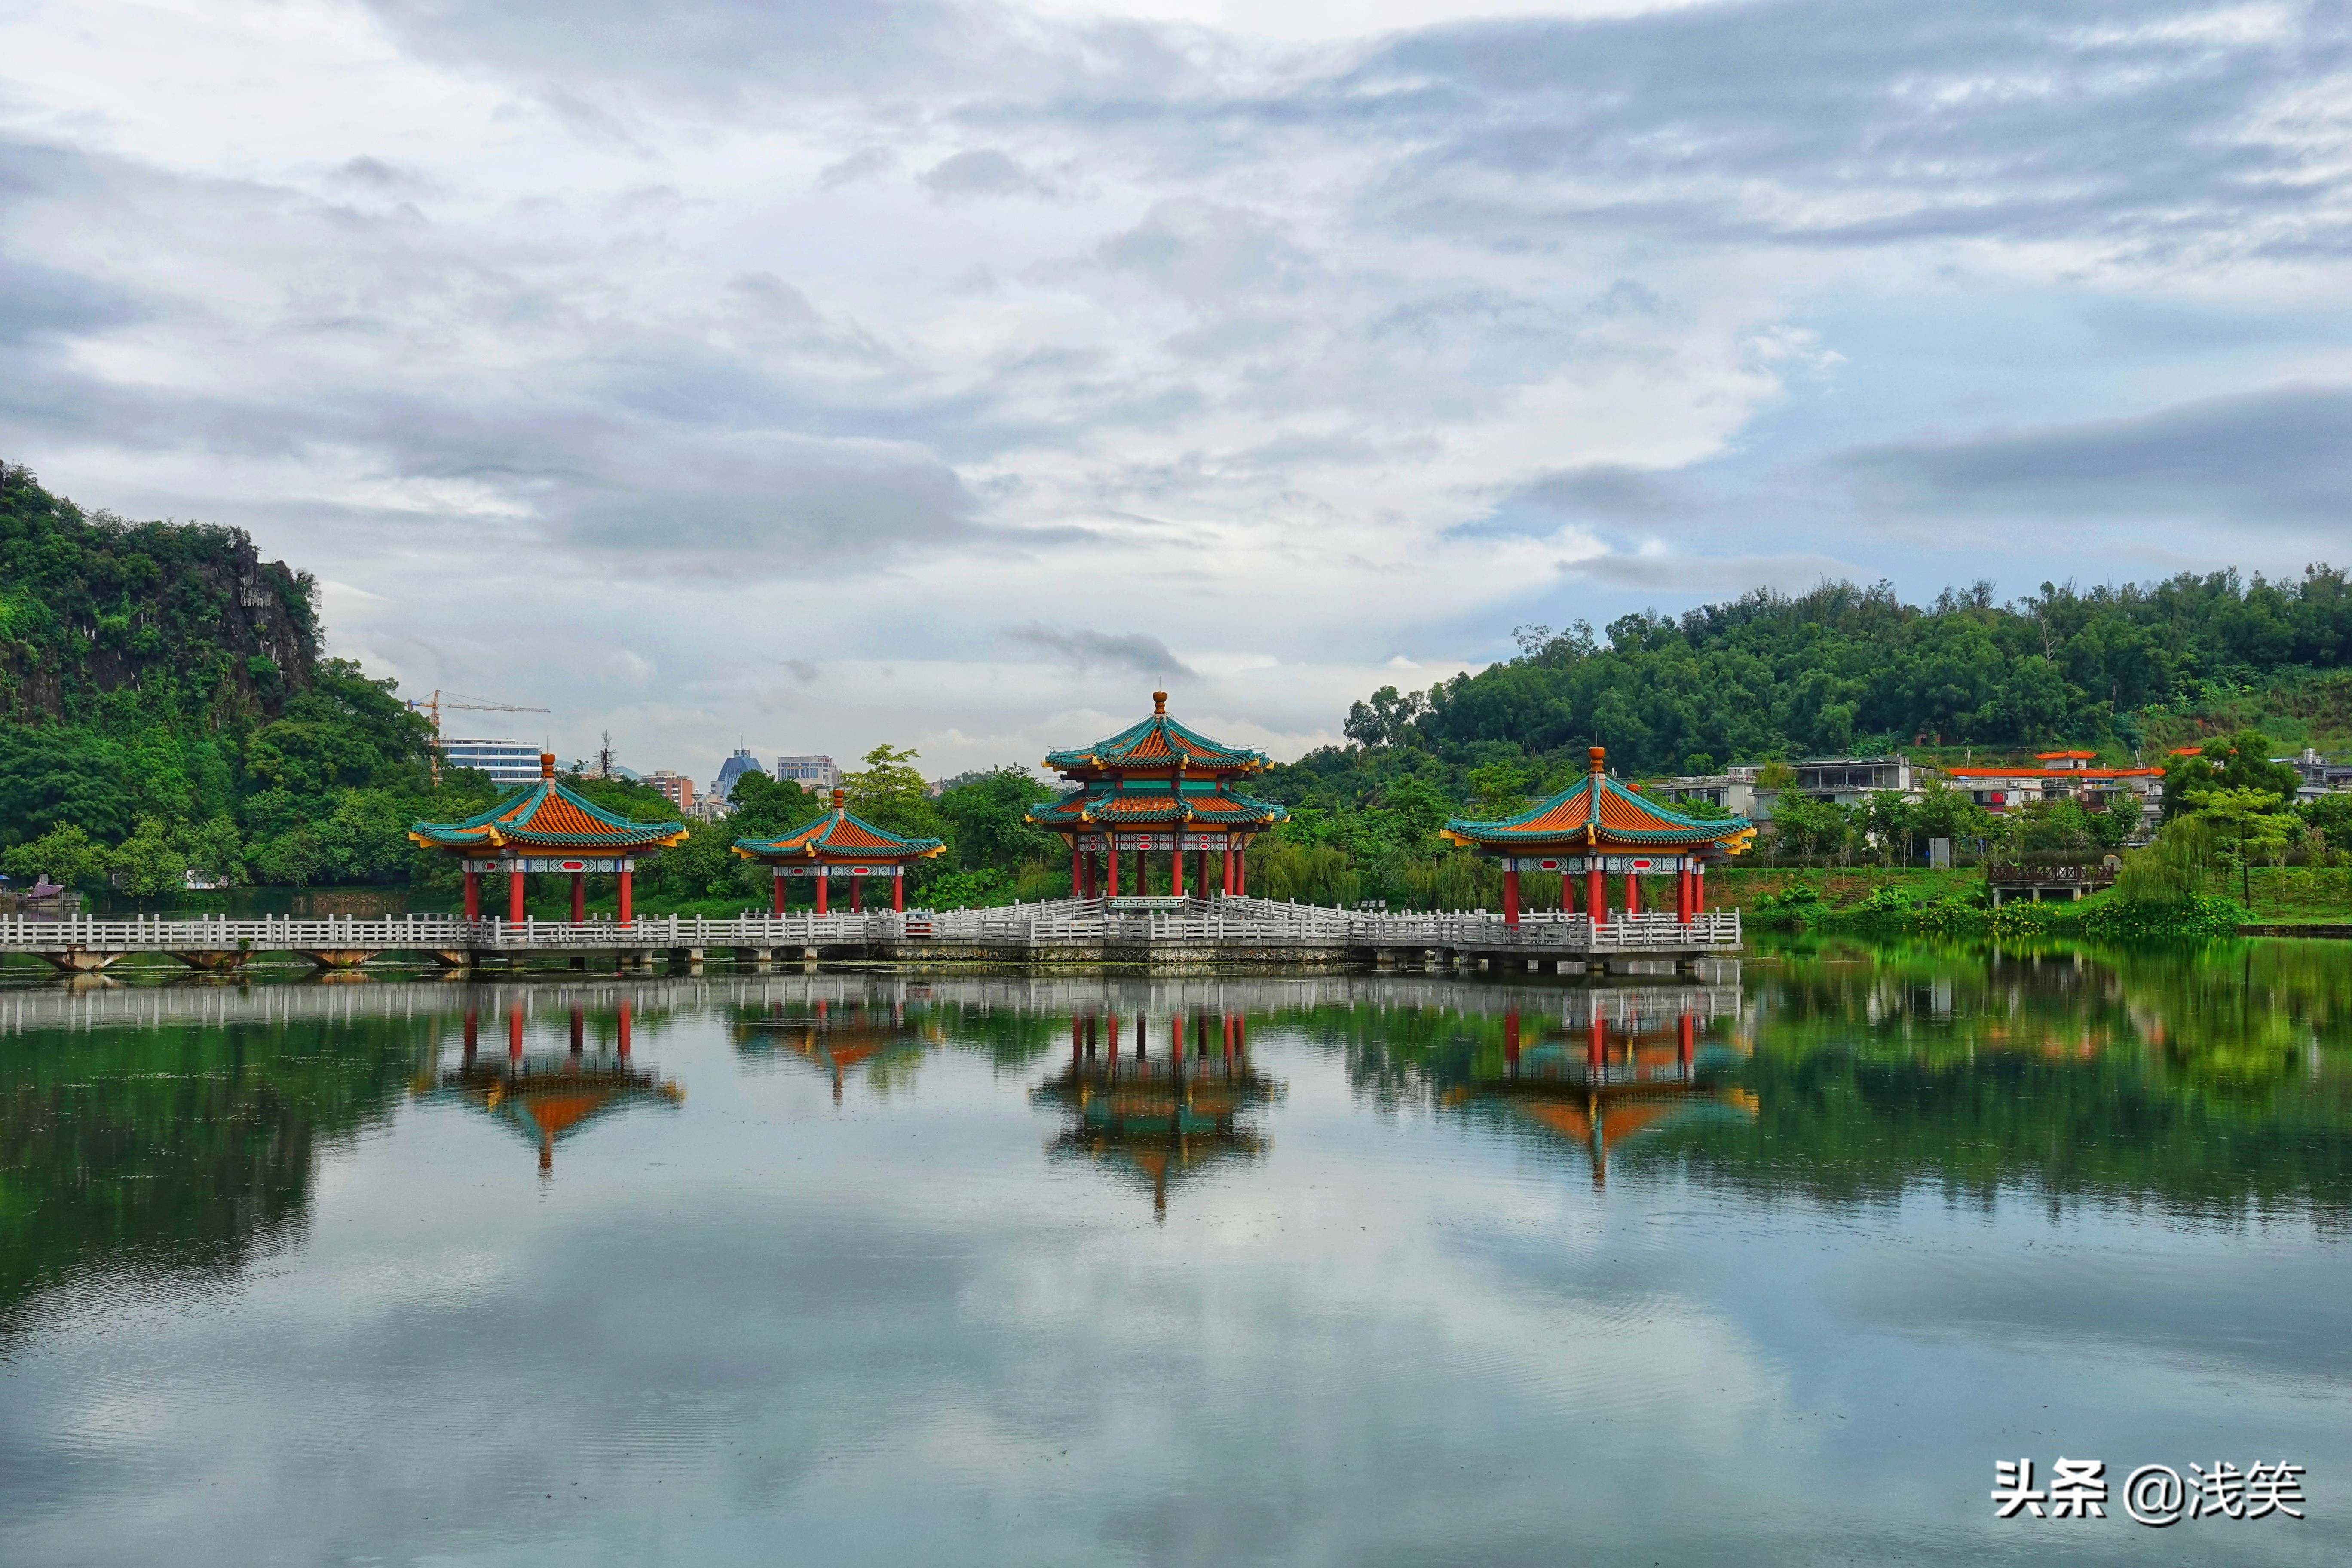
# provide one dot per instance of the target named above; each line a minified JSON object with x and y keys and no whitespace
{"x":689,"y":959}
{"x":78,"y":961}
{"x":335,"y":958}
{"x":211,"y":961}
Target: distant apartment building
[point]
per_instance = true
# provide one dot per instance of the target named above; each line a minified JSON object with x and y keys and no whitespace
{"x":676,"y":787}
{"x":506,"y":762}
{"x":816,"y":774}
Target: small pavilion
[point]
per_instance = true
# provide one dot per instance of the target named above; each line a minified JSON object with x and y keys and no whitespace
{"x":839,"y":844}
{"x":1156,"y":787}
{"x":546,"y":828}
{"x":1597,"y":828}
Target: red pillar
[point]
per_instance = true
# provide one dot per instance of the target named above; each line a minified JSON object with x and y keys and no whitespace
{"x":1511,"y":1042}
{"x":856,"y":896}
{"x":514,"y":895}
{"x":625,"y":916}
{"x":1566,"y":894}
{"x":1110,"y":859}
{"x":1632,"y":894}
{"x":1241,"y":870}
{"x":824,"y":883}
{"x":1078,"y":871}
{"x":1683,"y":894}
{"x":1229,"y":866}
{"x":1176,"y":870}
{"x":1596,"y":892}
{"x":579,"y":897}
{"x":776,"y":894}
{"x":898,"y":890}
{"x":1510,"y":895}
{"x":1683,"y":1046}
{"x":1229,"y":1036}
{"x":624,"y":1041}
{"x":1113,"y":1039}
{"x":473,"y":895}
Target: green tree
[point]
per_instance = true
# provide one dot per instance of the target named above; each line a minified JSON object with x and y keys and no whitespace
{"x":890,"y":793}
{"x":1498,"y":790}
{"x":2249,"y":823}
{"x":65,"y":854}
{"x":152,"y":862}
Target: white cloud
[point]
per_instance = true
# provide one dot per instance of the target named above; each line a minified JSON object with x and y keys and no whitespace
{"x":782,"y":345}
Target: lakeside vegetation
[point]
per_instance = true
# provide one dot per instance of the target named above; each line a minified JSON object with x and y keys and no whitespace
{"x":168,"y":708}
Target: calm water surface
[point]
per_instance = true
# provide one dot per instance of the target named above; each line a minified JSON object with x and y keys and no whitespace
{"x":843,"y":1268}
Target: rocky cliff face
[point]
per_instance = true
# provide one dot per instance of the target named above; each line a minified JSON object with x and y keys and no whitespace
{"x":187,"y":615}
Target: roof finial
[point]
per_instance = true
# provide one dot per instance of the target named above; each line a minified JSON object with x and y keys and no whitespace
{"x":1160,"y":703}
{"x":547,"y":764}
{"x":840,"y":799}
{"x":1599,"y":759}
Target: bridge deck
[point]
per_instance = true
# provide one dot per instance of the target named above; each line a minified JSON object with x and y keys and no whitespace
{"x":1062,"y":928}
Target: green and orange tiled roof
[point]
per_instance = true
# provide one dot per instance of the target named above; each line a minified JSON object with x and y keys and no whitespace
{"x":545,"y":815}
{"x":1158,"y":742}
{"x":1204,"y":804}
{"x":837,"y":837}
{"x":1598,"y":812}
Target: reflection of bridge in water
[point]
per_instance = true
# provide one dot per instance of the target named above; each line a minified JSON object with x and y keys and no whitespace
{"x":544,"y":1094}
{"x":1168,"y":1110}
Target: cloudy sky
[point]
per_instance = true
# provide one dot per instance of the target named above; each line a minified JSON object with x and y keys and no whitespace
{"x":809,"y":374}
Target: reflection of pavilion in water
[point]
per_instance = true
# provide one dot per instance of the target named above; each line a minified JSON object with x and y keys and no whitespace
{"x":836,"y":1036}
{"x":544,"y":1094}
{"x":1621,"y":1064}
{"x":1168,"y":1108}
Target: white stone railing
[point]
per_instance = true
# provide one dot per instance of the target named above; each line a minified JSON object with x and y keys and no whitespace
{"x":1062,"y":919}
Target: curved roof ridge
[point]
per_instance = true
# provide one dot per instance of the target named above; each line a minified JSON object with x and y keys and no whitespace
{"x":839,"y":833}
{"x":545,"y":813}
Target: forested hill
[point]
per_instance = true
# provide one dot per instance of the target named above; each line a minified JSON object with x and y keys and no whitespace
{"x":185,"y":618}
{"x":160,"y":684}
{"x":1844,"y":669}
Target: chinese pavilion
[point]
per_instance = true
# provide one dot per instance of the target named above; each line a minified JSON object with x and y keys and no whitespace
{"x":839,"y":845}
{"x":544,"y":827}
{"x":1599,"y":828}
{"x":1156,"y":787}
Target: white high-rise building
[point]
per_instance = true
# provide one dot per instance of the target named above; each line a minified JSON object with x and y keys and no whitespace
{"x":818,"y":774}
{"x":506,"y":762}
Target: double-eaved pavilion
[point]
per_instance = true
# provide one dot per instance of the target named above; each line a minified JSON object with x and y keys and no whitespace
{"x":839,"y":844}
{"x":546,"y":828}
{"x":1156,"y":787}
{"x":1598,"y":829}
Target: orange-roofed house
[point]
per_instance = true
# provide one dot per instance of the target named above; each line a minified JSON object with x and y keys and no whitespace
{"x":1599,"y":828}
{"x":839,"y":844}
{"x":2061,"y":775}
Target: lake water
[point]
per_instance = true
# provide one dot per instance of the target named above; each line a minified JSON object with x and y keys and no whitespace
{"x":850,"y":1268}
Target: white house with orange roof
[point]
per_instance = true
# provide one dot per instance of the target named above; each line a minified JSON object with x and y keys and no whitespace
{"x":2060,"y":776}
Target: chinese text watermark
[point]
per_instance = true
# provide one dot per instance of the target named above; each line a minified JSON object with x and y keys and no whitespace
{"x":2153,"y":1495}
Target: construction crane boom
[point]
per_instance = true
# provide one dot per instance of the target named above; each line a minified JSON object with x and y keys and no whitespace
{"x":434,"y":704}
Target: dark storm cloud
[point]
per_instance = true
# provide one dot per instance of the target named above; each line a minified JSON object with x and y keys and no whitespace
{"x":2267,"y":458}
{"x":1143,"y":654}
